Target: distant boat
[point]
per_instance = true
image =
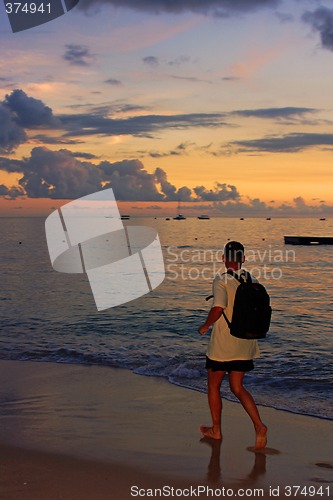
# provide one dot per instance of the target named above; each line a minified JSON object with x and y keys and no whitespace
{"x":308,"y":240}
{"x":125,"y":217}
{"x":204,"y":217}
{"x":268,"y":218}
{"x":179,"y":216}
{"x":323,"y":218}
{"x":241,"y":218}
{"x":167,"y":218}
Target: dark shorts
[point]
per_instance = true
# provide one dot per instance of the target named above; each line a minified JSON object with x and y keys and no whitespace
{"x":239,"y":365}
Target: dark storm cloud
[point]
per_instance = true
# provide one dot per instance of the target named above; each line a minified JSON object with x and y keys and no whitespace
{"x":29,"y":112}
{"x":78,"y":55}
{"x":291,"y":143}
{"x":212,"y":7}
{"x":321,"y":20}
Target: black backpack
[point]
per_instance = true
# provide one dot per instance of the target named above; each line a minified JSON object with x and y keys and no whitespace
{"x":252,"y":312}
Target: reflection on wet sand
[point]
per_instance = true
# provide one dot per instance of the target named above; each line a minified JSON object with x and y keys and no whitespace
{"x":214,"y":471}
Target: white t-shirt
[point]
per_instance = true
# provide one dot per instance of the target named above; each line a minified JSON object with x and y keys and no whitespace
{"x":223,"y":346}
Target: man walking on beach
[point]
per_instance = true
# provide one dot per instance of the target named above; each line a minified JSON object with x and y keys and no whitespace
{"x":226,"y":353}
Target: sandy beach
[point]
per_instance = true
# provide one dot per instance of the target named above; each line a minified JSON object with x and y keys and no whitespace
{"x":86,"y":432}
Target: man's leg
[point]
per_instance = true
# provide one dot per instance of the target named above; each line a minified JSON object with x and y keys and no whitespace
{"x":236,"y":385}
{"x":215,"y":404}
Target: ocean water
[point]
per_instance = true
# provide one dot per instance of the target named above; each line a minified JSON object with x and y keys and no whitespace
{"x":51,"y":316}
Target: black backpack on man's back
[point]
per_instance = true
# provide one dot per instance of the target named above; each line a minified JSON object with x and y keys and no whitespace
{"x":252,"y":312}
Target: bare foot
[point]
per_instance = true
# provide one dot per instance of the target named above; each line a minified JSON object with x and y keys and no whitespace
{"x":261,"y":438}
{"x":210,"y":433}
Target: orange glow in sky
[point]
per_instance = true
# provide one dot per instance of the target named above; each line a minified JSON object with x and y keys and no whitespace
{"x":226,"y":113}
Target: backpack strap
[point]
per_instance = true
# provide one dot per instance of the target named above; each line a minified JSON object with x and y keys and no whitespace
{"x":225,"y":317}
{"x":244,"y":277}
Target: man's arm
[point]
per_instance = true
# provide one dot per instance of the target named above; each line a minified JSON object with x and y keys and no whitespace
{"x":213,"y":315}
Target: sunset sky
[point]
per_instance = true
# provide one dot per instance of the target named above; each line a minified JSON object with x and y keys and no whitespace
{"x":224,"y":104}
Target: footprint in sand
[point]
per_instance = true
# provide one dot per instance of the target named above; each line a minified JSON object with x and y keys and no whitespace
{"x":325,"y":465}
{"x":320,"y":480}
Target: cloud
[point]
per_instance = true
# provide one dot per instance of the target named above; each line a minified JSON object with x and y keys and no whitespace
{"x":291,"y":143}
{"x":209,"y":7}
{"x":130,"y":181}
{"x":18,"y":112}
{"x":151,"y":61}
{"x":114,"y":82}
{"x":30,"y":112}
{"x":11,"y":134}
{"x":221,"y":192}
{"x":167,"y":188}
{"x":10,"y":166}
{"x":98,"y":121}
{"x":256,"y":207}
{"x":300,"y":207}
{"x":181,"y":149}
{"x":86,"y":156}
{"x":56,"y":175}
{"x":44,"y":139}
{"x":321,"y":20}
{"x":59,"y":175}
{"x":180,"y":60}
{"x":11,"y":193}
{"x":190,"y":79}
{"x":62,"y":175}
{"x":269,"y":113}
{"x":78,"y":55}
{"x":284,"y":18}
{"x":230,"y":78}
{"x":116,"y":107}
{"x":156,"y":154}
{"x":141,"y":126}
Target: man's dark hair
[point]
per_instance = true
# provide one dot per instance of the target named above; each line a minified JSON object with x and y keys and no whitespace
{"x":234,"y":252}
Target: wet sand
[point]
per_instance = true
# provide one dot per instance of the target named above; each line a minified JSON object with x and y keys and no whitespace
{"x":87,"y":432}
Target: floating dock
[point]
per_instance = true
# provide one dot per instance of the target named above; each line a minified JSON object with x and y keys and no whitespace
{"x":308,"y":240}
